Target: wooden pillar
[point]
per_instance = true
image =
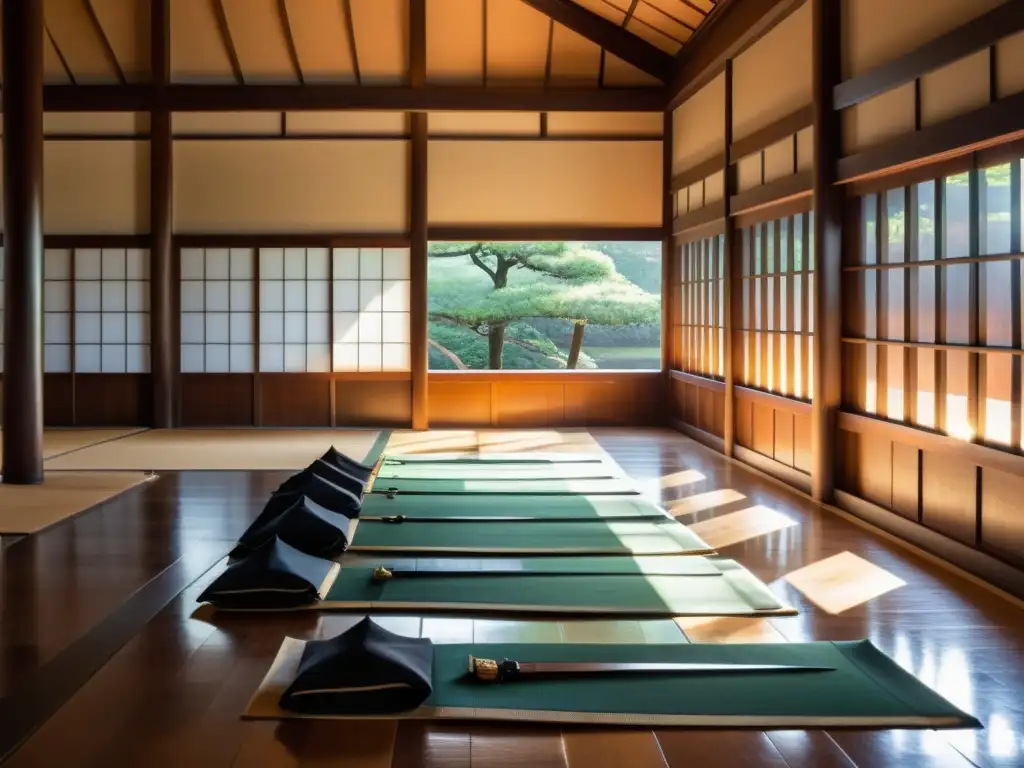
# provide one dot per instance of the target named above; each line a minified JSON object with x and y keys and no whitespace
{"x":161,"y":222}
{"x":732,"y":280}
{"x":827,"y":238}
{"x":669,"y":277}
{"x":418,"y":218}
{"x":23,"y":242}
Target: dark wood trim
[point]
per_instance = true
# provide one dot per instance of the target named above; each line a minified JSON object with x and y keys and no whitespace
{"x":108,"y":49}
{"x":608,"y":36}
{"x":711,"y":229}
{"x":1001,"y":458}
{"x":418,"y":223}
{"x":161,"y":218}
{"x":983,"y":128}
{"x":777,"y":402}
{"x":698,"y":172}
{"x":97,"y":136}
{"x":704,"y":438}
{"x":298,"y":240}
{"x":974,"y":561}
{"x":281,"y":136}
{"x":977,"y":34}
{"x":22,"y":433}
{"x":729,"y":30}
{"x":795,"y":187}
{"x":713,"y":385}
{"x":732,"y":315}
{"x":229,"y":44}
{"x":318,"y":97}
{"x":95,"y":241}
{"x":546,"y":376}
{"x":780,"y":209}
{"x":60,"y":54}
{"x":827,"y":240}
{"x":941,"y":346}
{"x":769,"y":466}
{"x":914,"y":174}
{"x":669,"y":278}
{"x":761,"y":139}
{"x":701,"y":217}
{"x":293,"y":53}
{"x":497,"y":233}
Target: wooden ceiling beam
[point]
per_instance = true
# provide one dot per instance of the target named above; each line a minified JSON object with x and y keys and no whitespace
{"x":229,"y":42}
{"x":108,"y":49}
{"x":611,"y":37}
{"x":233,"y":98}
{"x":730,"y":29}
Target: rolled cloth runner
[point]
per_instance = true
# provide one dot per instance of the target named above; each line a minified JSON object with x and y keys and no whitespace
{"x":305,"y":525}
{"x":338,"y":459}
{"x":364,"y":671}
{"x":275,"y":575}
{"x":339,"y":477}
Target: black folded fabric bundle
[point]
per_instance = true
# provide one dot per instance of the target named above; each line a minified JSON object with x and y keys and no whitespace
{"x":364,"y":671}
{"x":275,"y":575}
{"x":305,"y":525}
{"x":335,"y":475}
{"x":338,"y":459}
{"x":318,"y":488}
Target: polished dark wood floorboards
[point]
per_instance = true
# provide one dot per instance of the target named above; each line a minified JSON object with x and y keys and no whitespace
{"x":171,"y":696}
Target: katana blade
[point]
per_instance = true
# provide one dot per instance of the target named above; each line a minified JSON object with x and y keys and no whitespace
{"x":397,"y":519}
{"x":508,"y":670}
{"x":384,"y":573}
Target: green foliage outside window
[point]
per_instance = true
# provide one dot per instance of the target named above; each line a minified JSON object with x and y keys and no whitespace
{"x":544,"y":305}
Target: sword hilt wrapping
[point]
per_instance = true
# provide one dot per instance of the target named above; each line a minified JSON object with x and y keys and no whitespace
{"x":491,"y":671}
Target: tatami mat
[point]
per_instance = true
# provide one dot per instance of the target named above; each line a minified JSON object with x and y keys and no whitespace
{"x":199,"y":449}
{"x":471,"y":442}
{"x":31,"y":508}
{"x":58,"y":440}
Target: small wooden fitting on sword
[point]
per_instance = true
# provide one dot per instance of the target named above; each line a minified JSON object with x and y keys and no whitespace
{"x":491,"y":671}
{"x":380,"y":573}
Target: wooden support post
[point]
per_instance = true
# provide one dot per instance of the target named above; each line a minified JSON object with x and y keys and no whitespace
{"x":23,"y":263}
{"x":827,"y":235}
{"x":161,"y":280}
{"x":669,"y":274}
{"x":733,"y":281}
{"x":418,"y":219}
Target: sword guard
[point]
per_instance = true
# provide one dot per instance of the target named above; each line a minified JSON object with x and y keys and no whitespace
{"x":393,"y":519}
{"x":392,"y":492}
{"x":380,"y":573}
{"x":491,"y":671}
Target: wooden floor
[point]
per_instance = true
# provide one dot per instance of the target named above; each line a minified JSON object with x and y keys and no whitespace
{"x":171,"y":694}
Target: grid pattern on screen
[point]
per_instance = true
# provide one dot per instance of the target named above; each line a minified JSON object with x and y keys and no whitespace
{"x":776,"y":323}
{"x":111,"y":302}
{"x":294,"y":310}
{"x":937,"y":268}
{"x":57,"y":310}
{"x":371,"y":309}
{"x":217,"y":318}
{"x":702,"y":306}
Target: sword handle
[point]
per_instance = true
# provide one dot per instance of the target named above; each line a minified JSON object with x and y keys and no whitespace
{"x":380,"y":573}
{"x":491,"y":671}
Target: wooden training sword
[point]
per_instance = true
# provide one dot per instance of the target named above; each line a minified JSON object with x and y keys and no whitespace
{"x":508,"y":670}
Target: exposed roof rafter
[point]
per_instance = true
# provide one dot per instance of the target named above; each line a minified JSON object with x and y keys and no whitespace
{"x":229,"y":43}
{"x":611,"y":37}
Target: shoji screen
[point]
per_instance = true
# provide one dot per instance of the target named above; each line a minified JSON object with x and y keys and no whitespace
{"x":294,"y":310}
{"x":57,"y":308}
{"x":111,"y":310}
{"x":217,"y":310}
{"x":702,"y":273}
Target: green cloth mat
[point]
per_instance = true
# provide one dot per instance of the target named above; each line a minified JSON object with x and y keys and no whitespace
{"x":377,"y":448}
{"x":596,"y":486}
{"x":491,"y":458}
{"x":513,"y":505}
{"x":866,"y":689}
{"x":707,"y":588}
{"x":585,"y":537}
{"x":455,"y":471}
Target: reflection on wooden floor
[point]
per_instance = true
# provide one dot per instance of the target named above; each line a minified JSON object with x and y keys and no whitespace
{"x":172,"y":695}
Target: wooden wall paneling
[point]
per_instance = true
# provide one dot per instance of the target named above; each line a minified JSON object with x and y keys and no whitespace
{"x":1002,"y":531}
{"x":113,"y":399}
{"x":906,"y":474}
{"x":745,"y":423}
{"x":372,"y":403}
{"x":58,"y":400}
{"x":827,"y":298}
{"x":519,"y":405}
{"x":949,"y":496}
{"x":764,"y":429}
{"x":677,"y":393}
{"x":718,"y":426}
{"x":459,"y":403}
{"x":784,"y":438}
{"x":295,"y":400}
{"x":709,"y":416}
{"x":216,"y":399}
{"x":802,"y":442}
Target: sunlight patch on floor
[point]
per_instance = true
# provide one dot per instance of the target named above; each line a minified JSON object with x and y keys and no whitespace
{"x":679,"y":479}
{"x":702,"y":501}
{"x":842,"y":582}
{"x":728,"y":629}
{"x":737,"y":527}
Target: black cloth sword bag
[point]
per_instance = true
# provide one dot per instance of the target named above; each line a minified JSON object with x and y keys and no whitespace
{"x":364,"y":671}
{"x":305,"y":525}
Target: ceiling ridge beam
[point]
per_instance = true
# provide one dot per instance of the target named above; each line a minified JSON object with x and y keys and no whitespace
{"x":611,"y":37}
